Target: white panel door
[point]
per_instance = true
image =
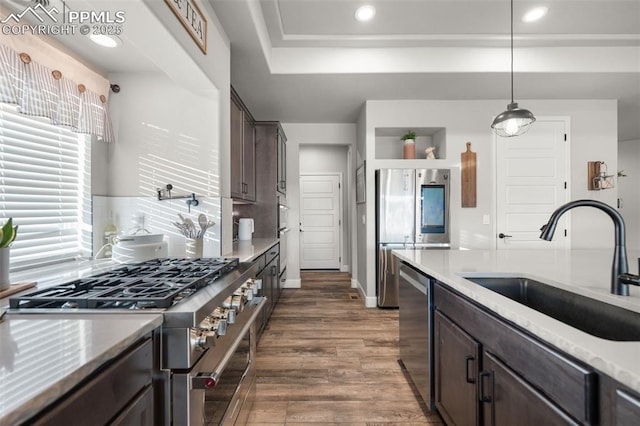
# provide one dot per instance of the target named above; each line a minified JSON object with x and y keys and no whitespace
{"x":531,"y":184}
{"x":320,"y":221}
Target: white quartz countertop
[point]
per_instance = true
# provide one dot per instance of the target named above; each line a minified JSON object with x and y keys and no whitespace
{"x":44,"y":356}
{"x":249,"y":250}
{"x":586,"y":272}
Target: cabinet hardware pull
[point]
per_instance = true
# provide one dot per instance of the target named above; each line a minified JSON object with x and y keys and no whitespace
{"x":469,"y":379}
{"x":483,"y":396}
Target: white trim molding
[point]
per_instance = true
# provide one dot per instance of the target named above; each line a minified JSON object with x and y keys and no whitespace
{"x":291,"y":283}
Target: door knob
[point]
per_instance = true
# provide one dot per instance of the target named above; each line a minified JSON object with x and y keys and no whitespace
{"x":501,"y":235}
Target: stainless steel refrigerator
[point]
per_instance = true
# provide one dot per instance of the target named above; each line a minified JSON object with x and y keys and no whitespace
{"x":412,"y":211}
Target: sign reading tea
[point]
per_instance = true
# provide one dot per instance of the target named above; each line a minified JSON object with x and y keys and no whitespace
{"x":192,"y":19}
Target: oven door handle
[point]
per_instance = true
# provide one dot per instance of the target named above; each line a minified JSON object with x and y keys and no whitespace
{"x":210,"y":380}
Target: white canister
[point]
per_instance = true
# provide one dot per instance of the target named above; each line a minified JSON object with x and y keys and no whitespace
{"x":245,"y":228}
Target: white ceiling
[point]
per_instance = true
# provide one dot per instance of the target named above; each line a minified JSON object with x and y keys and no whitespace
{"x":309,"y":61}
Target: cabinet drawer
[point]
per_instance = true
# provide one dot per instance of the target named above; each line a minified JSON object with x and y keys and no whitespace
{"x":565,"y":381}
{"x":261,"y":262}
{"x":271,"y":253}
{"x":105,"y":395}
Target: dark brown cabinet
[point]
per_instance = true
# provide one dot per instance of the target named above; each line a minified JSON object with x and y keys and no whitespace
{"x":271,"y":142}
{"x":121,"y":392}
{"x":508,"y":400}
{"x":626,"y":408}
{"x":489,"y":372}
{"x":269,"y":264}
{"x":456,"y":370}
{"x":243,"y":151}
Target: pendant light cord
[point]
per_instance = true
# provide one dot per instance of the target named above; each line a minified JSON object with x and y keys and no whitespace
{"x":511,"y":51}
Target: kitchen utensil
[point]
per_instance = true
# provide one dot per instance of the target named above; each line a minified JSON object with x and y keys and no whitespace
{"x":202,"y":220}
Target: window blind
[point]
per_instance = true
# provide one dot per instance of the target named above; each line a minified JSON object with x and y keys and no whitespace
{"x":45,"y":187}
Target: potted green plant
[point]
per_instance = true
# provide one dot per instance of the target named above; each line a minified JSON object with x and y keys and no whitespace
{"x":8,"y":233}
{"x":409,"y":148}
{"x":409,"y":135}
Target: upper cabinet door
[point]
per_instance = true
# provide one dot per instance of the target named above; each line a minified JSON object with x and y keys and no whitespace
{"x":249,"y":159}
{"x":237,"y":123}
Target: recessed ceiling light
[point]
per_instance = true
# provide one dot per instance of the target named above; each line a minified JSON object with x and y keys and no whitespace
{"x":106,"y":40}
{"x":535,"y":14}
{"x":365,"y":13}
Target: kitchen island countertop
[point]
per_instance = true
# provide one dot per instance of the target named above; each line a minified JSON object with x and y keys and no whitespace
{"x":250,"y":250}
{"x":586,"y":272}
{"x":43,"y":356}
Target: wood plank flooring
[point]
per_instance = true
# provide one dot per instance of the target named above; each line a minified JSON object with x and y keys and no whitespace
{"x":325,"y":359}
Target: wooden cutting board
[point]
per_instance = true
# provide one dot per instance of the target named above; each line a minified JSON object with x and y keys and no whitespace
{"x":16,"y":288}
{"x":468,"y":172}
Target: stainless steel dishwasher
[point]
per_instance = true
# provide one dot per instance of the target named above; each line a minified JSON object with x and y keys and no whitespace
{"x":416,"y":328}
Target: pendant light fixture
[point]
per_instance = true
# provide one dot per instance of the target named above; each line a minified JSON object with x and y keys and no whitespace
{"x":514,"y":121}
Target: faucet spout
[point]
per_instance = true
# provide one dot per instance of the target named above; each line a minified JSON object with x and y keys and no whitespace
{"x":620,"y":266}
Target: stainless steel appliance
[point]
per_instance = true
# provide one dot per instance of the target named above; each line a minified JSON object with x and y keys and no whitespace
{"x":415,"y":318}
{"x":205,"y":370}
{"x":283,"y":230}
{"x":412,"y":211}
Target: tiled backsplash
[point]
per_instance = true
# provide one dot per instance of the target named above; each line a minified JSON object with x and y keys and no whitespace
{"x":158,"y":217}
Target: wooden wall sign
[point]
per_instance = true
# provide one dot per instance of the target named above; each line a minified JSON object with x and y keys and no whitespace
{"x":468,"y":172}
{"x":192,"y":19}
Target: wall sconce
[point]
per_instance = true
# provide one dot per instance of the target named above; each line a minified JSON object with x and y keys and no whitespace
{"x":597,"y":176}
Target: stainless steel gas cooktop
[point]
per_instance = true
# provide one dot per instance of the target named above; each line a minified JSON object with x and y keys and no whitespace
{"x":154,"y":284}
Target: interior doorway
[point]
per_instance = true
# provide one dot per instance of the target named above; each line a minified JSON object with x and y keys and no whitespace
{"x":321,"y":163}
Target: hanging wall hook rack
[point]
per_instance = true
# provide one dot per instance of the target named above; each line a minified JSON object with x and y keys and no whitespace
{"x":165,"y":194}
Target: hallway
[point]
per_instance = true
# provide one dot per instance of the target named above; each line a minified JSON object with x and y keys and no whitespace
{"x":326,"y":359}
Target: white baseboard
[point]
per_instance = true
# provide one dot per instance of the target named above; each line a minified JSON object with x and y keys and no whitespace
{"x":369,"y":301}
{"x":291,"y":283}
{"x":345,"y":268}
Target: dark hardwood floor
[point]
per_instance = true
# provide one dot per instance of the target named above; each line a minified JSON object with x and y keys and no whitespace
{"x":326,"y":359}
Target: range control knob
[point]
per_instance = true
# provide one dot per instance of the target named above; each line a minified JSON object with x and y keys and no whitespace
{"x":203,"y":339}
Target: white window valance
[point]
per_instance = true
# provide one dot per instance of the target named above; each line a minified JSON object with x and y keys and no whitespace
{"x":40,"y":91}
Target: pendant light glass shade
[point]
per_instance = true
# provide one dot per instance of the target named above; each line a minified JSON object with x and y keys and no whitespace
{"x":514,"y":121}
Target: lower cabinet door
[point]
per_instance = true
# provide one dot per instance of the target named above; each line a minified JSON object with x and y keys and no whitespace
{"x":627,"y":408}
{"x":456,"y":366}
{"x":509,"y":400}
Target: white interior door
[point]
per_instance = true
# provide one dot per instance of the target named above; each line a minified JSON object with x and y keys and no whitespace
{"x":320,"y":221}
{"x":531,"y":180}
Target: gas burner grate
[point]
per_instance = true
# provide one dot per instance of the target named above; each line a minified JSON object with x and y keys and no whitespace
{"x":153,"y":284}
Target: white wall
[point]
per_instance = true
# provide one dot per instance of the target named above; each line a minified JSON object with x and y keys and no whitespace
{"x":325,"y":134}
{"x":593,"y":137}
{"x":332,"y":159}
{"x":172,"y":125}
{"x":629,"y":193}
{"x":164,"y":135}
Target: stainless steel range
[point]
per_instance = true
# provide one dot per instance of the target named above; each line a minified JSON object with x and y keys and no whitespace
{"x":206,"y":347}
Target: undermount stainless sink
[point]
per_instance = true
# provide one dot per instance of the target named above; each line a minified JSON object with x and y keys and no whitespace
{"x":597,"y":318}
